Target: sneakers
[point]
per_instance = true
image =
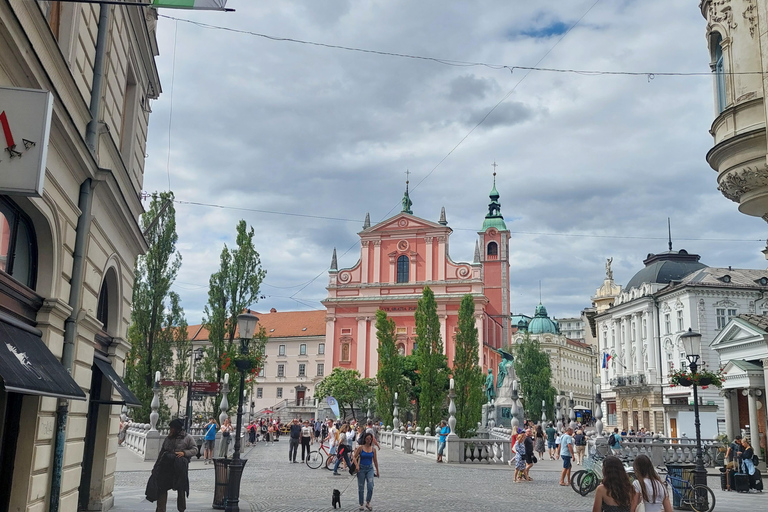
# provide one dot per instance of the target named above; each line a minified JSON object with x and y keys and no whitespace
{"x":337,"y":473}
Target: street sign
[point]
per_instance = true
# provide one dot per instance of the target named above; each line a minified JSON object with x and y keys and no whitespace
{"x":25,"y":124}
{"x":174,"y":383}
{"x":206,"y":387}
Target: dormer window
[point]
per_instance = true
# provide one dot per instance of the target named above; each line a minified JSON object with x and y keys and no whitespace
{"x":726,"y":278}
{"x":763,"y":281}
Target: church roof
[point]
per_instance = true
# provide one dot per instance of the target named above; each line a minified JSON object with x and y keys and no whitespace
{"x":541,"y":323}
{"x":666,"y":267}
{"x":494,"y":218}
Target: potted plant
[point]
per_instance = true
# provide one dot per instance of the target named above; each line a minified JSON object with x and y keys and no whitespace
{"x":703,"y":377}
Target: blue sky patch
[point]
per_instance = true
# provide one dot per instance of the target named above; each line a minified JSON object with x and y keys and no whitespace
{"x":553,"y":29}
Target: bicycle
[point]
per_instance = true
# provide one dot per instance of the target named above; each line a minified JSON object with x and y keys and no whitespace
{"x":699,"y":497}
{"x":316,"y":457}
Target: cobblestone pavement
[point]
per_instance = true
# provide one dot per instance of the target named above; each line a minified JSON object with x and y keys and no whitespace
{"x":407,"y":483}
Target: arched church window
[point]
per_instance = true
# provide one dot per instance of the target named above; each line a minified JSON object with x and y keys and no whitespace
{"x":719,"y":69}
{"x":102,"y":311}
{"x":18,"y":244}
{"x":401,"y":349}
{"x":403,"y":268}
{"x":493,"y":249}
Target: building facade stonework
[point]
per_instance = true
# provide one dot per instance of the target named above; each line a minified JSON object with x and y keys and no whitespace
{"x":399,"y":257}
{"x":67,"y":257}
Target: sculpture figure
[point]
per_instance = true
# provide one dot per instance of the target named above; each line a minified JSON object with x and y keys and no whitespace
{"x":502,"y":373}
{"x":490,"y":393}
{"x":608,"y":271}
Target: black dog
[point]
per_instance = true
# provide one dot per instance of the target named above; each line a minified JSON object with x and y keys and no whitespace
{"x":336,"y":500}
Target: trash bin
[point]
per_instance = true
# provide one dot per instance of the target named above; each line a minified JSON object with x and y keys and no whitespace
{"x":683,"y":472}
{"x":221,"y":474}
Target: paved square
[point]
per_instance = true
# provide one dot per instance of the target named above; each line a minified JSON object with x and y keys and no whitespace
{"x":408,"y":483}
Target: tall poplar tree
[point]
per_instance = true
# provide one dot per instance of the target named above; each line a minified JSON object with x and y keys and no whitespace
{"x":534,"y":372}
{"x":389,"y":378}
{"x":232,"y":289}
{"x":153,"y":276}
{"x":431,"y":361}
{"x":467,"y":374}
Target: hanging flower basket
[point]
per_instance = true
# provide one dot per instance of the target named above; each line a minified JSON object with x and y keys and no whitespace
{"x":705,"y":381}
{"x":684,"y":381}
{"x":702,"y":378}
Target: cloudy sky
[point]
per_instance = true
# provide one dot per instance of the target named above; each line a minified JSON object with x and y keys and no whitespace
{"x":589,"y":166}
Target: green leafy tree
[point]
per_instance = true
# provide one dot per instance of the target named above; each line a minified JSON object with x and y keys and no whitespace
{"x":154,"y":274}
{"x":431,"y":361}
{"x":175,"y":334}
{"x":534,"y":372}
{"x":346,"y":387}
{"x":467,"y":374}
{"x":232,"y":289}
{"x":389,"y":378}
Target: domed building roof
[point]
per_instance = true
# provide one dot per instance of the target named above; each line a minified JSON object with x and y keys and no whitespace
{"x":541,"y":323}
{"x":666,"y":267}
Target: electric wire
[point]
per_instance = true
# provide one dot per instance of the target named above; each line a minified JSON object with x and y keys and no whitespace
{"x":460,"y":63}
{"x":170,"y":114}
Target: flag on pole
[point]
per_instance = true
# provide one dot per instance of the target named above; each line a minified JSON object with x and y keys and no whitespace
{"x":206,"y":5}
{"x":606,"y":359}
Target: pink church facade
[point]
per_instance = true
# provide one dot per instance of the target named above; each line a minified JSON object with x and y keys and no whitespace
{"x":398,"y":258}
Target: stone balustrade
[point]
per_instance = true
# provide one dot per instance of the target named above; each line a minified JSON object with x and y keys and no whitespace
{"x":457,"y":450}
{"x":142,"y":440}
{"x":663,"y":450}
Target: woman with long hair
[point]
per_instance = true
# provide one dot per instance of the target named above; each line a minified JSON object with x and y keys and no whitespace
{"x":649,"y":488}
{"x":519,"y":449}
{"x":366,"y":462}
{"x":342,"y":449}
{"x":616,"y":493}
{"x":541,"y":439}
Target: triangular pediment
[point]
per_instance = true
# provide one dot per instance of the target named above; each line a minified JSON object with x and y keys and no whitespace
{"x":404,"y":222}
{"x":736,"y":332}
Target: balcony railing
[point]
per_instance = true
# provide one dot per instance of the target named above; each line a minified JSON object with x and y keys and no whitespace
{"x":629,"y":380}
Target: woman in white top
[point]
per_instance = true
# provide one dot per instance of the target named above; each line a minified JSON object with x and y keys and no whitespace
{"x":649,"y":488}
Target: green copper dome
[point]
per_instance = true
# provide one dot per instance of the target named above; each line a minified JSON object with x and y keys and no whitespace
{"x":541,"y":322}
{"x":494,"y":218}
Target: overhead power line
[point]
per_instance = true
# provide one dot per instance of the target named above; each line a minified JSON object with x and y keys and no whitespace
{"x":454,"y":62}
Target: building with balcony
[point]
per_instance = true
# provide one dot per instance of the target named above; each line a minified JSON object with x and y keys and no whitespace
{"x":67,"y":251}
{"x":641,"y":335}
{"x":737,"y":43}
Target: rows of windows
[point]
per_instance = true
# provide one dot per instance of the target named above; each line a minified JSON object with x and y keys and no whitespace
{"x":302,"y":370}
{"x":302,"y":349}
{"x":724,"y":316}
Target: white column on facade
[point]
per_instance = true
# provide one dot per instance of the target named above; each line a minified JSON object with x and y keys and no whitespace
{"x":428,"y":259}
{"x":362,"y":344}
{"x":412,"y":259}
{"x":364,"y":262}
{"x":754,"y":433}
{"x":443,"y":319}
{"x":330,"y":343}
{"x":373,"y":352}
{"x":480,"y":339}
{"x":619,"y":369}
{"x":441,"y":257}
{"x":728,"y":411}
{"x":639,"y":356}
{"x":765,"y":390}
{"x":652,"y":344}
{"x":626,"y":339}
{"x":377,"y":261}
{"x":392,"y":268}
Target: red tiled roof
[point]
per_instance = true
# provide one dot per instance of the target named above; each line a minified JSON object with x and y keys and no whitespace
{"x":281,"y":324}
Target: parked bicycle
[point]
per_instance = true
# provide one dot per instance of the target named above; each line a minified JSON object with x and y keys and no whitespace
{"x":699,"y":497}
{"x":316,"y":457}
{"x":586,"y":480}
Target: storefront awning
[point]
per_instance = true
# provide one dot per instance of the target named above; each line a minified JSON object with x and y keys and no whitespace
{"x":119,"y":384}
{"x":28,"y":367}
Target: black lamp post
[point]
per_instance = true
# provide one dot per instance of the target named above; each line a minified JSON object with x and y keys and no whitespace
{"x":246,"y":324}
{"x":692,"y":344}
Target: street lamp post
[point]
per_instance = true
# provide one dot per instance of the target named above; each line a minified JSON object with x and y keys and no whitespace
{"x":692,"y":344}
{"x":246,"y":324}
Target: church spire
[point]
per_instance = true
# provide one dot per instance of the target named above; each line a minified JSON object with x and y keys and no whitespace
{"x":334,"y":263}
{"x":494,"y":218}
{"x":407,"y":203}
{"x":477,"y":252}
{"x":442,"y":220}
{"x":367,"y":222}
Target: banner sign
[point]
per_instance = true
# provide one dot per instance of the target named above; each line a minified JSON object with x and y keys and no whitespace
{"x":25,"y":124}
{"x":334,"y":405}
{"x":203,"y":5}
{"x":173,"y":383}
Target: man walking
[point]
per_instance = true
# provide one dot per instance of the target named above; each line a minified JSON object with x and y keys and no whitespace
{"x":210,"y":440}
{"x":171,"y":469}
{"x":551,"y":433}
{"x":566,"y":453}
{"x":614,"y":441}
{"x":293,"y":446}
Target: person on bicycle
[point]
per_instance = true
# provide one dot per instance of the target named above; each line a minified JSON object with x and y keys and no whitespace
{"x":649,"y":487}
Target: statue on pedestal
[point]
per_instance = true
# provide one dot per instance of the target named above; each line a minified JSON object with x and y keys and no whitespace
{"x":490,"y":392}
{"x":506,"y":367}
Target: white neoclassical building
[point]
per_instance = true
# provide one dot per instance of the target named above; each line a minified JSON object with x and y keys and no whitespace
{"x":743,"y":349}
{"x":641,"y":334}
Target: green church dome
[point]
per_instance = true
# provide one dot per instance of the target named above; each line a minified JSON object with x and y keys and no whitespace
{"x":494,"y":218}
{"x":541,"y":323}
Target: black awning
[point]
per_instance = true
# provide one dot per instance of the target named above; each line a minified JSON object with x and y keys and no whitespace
{"x":119,"y":384}
{"x":28,"y":367}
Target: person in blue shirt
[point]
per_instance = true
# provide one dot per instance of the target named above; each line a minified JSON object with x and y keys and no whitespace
{"x":444,"y":431}
{"x":210,"y":440}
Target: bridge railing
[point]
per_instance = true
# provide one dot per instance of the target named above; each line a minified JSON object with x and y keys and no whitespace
{"x":457,"y":450}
